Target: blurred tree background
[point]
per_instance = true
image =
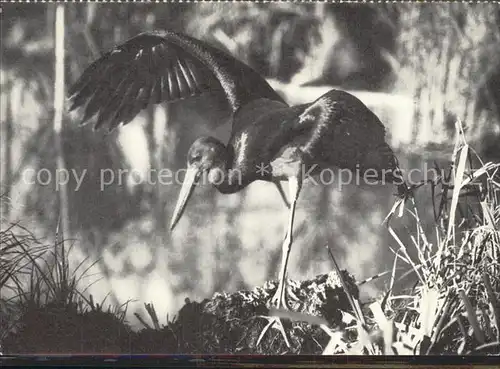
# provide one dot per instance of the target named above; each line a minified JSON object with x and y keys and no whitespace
{"x":419,"y":66}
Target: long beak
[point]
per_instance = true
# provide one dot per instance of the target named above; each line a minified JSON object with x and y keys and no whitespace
{"x":186,"y":191}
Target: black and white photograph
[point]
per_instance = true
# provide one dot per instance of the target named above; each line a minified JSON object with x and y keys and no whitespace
{"x":250,"y":178}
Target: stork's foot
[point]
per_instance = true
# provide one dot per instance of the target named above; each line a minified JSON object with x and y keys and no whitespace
{"x":278,"y":301}
{"x":274,"y":322}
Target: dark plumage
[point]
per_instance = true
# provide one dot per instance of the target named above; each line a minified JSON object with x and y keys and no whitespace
{"x":151,"y":68}
{"x":336,"y":130}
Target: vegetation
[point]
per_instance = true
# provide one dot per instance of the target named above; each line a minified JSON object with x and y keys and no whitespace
{"x":443,"y":291}
{"x":452,"y":309}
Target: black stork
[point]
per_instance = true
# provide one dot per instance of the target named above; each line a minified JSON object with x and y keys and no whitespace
{"x":269,"y":141}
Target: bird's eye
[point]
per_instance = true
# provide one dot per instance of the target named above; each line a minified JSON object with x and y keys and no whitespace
{"x":196,"y":157}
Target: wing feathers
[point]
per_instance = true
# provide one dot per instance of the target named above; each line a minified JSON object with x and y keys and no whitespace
{"x":196,"y":77}
{"x":181,"y":82}
{"x":173,"y":88}
{"x":94,"y":103}
{"x":191,"y":84}
{"x":155,"y":68}
{"x":126,"y":104}
{"x":95,"y":69}
{"x":111,"y":109}
{"x":156,"y":92}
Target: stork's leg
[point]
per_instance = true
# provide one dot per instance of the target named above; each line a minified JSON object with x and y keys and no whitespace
{"x":282,"y":193}
{"x":279,"y":299}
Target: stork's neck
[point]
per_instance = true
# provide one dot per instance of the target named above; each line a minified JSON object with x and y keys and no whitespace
{"x":233,"y":182}
{"x":234,"y":178}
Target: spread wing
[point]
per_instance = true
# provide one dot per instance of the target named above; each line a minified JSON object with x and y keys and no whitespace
{"x":162,"y":67}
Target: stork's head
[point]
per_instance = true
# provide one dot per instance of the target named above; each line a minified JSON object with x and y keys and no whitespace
{"x":207,"y":155}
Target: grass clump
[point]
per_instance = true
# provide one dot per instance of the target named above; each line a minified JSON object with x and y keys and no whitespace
{"x":43,"y":304}
{"x":453,"y":308}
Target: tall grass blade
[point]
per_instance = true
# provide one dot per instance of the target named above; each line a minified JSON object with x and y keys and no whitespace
{"x":352,"y":300}
{"x":457,"y":180}
{"x":471,"y":316}
{"x":495,"y":307}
